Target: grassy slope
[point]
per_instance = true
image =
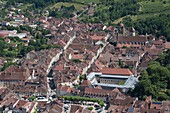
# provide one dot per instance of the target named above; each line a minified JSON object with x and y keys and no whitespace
{"x":118,"y":20}
{"x":76,"y":5}
{"x":87,"y":1}
{"x":24,"y":7}
{"x":150,"y":9}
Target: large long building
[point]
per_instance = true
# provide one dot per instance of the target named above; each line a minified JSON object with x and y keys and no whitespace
{"x":113,"y":78}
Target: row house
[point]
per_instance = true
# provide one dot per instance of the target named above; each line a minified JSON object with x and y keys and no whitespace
{"x":134,"y":41}
{"x":11,"y":103}
{"x":102,"y":94}
{"x":27,"y":90}
{"x":14,"y":75}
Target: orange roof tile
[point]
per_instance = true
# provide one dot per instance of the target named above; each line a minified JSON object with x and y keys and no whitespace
{"x":97,"y":37}
{"x":167,"y":45}
{"x":59,"y":68}
{"x":86,"y":83}
{"x":116,"y":71}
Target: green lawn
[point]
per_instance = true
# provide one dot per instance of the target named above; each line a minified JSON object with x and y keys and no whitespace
{"x":120,"y":19}
{"x":76,"y":5}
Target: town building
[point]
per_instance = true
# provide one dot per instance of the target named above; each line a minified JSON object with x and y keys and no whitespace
{"x":113,"y":78}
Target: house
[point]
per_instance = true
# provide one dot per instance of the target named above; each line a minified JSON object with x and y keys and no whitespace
{"x":20,"y":35}
{"x":13,"y":45}
{"x":12,"y":104}
{"x":101,"y":94}
{"x":54,"y":107}
{"x":20,"y":106}
{"x":144,"y":62}
{"x":5,"y":23}
{"x":153,"y":52}
{"x":7,"y":40}
{"x":3,"y":92}
{"x":91,"y":11}
{"x":130,"y":31}
{"x":167,"y":45}
{"x":30,"y":89}
{"x":26,"y":40}
{"x":159,"y":44}
{"x":19,"y":19}
{"x":127,"y":57}
{"x":84,"y":84}
{"x":79,"y":109}
{"x":153,"y":107}
{"x":13,"y":75}
{"x":116,"y":109}
{"x":97,"y":38}
{"x":4,"y":33}
{"x":65,"y":90}
{"x":105,"y":58}
{"x":134,"y":41}
{"x":41,"y":106}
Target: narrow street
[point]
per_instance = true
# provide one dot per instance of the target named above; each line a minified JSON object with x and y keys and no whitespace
{"x":86,"y":68}
{"x":93,"y":59}
{"x":49,"y":70}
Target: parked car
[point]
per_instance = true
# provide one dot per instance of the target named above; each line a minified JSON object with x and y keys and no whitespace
{"x":99,"y":111}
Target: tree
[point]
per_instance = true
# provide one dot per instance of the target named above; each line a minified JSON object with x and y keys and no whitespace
{"x":162,"y":96}
{"x":164,"y":2}
{"x":6,"y":65}
{"x":101,"y":103}
{"x":32,"y":98}
{"x":154,"y":80}
{"x":81,"y":78}
{"x":90,"y":108}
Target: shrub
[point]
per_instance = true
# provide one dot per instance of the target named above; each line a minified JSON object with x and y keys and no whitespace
{"x":101,"y":103}
{"x":32,"y":98}
{"x":164,"y":2}
{"x":90,"y":108}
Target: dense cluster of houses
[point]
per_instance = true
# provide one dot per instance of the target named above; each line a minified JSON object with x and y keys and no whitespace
{"x":110,"y":59}
{"x":117,"y":103}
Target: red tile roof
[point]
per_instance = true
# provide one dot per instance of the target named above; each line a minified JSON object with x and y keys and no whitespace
{"x":167,"y":45}
{"x":86,"y":83}
{"x":134,"y":38}
{"x":156,"y":105}
{"x":15,"y":73}
{"x":116,"y":71}
{"x":99,"y":92}
{"x":97,"y":37}
{"x":66,"y":88}
{"x":59,"y":68}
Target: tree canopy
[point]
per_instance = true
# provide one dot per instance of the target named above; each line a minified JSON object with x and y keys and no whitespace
{"x":109,"y":10}
{"x":36,"y":3}
{"x":155,"y":80}
{"x":157,"y":25}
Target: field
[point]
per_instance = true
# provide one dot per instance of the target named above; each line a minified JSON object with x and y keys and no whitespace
{"x":150,"y":9}
{"x":25,"y":6}
{"x":120,"y":19}
{"x":87,"y":1}
{"x":76,"y":5}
